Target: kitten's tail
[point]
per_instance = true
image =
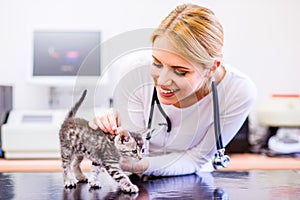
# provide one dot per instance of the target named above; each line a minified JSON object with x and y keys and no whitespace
{"x":73,"y":111}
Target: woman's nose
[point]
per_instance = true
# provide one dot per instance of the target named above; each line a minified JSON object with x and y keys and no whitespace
{"x":164,"y":77}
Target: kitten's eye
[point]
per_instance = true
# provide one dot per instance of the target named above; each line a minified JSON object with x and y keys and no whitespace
{"x":143,"y":150}
{"x":134,"y":151}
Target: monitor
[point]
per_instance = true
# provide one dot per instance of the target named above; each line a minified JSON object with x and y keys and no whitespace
{"x":62,"y":57}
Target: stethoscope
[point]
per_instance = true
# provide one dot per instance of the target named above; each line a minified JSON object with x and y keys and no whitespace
{"x":220,"y":160}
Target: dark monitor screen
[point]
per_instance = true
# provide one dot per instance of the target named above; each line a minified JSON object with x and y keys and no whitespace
{"x":66,"y":53}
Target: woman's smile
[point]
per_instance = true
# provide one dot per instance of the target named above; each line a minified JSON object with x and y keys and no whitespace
{"x":165,"y":92}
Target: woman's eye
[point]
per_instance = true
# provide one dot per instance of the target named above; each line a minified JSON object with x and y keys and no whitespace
{"x":180,"y":72}
{"x":157,"y":64}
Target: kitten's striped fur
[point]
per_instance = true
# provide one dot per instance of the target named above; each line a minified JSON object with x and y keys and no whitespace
{"x":78,"y":140}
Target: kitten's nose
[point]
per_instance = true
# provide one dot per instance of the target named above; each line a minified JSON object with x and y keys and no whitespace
{"x":139,"y":157}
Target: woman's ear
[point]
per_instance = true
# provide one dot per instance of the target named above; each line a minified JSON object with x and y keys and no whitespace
{"x":217,"y":63}
{"x":214,"y":68}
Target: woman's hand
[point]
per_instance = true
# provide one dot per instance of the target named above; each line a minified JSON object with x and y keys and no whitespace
{"x":133,"y":166}
{"x":109,"y":122}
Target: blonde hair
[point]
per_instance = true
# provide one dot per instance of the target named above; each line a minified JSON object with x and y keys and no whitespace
{"x":195,"y":32}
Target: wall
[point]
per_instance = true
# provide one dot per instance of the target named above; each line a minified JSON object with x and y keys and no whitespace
{"x":261,"y":37}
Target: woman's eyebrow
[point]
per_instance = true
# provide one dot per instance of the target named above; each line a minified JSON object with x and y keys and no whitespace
{"x":155,"y":58}
{"x":173,"y":66}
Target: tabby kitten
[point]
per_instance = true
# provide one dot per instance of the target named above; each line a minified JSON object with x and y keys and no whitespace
{"x":78,"y":140}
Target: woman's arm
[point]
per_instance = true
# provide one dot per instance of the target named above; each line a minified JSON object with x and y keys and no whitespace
{"x":238,"y":105}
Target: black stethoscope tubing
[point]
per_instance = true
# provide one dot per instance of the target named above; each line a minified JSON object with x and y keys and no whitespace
{"x":153,"y":101}
{"x":220,"y":160}
{"x":217,"y":124}
{"x":217,"y":127}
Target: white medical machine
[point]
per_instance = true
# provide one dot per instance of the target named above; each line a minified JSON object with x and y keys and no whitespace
{"x":282,"y":110}
{"x":61,"y":58}
{"x":32,"y":134}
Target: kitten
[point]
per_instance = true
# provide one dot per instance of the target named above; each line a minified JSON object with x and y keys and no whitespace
{"x":78,"y":140}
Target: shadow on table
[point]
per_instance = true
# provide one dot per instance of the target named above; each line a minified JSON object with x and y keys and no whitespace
{"x":175,"y":187}
{"x":194,"y":186}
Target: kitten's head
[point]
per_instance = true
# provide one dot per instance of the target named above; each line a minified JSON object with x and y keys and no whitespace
{"x":130,"y":144}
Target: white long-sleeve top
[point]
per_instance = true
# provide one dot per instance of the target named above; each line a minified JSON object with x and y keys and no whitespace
{"x":191,"y":144}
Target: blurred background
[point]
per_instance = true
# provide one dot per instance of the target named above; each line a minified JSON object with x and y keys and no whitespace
{"x":261,"y":39}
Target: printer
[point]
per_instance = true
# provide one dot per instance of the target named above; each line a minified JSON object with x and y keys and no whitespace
{"x":35,"y":133}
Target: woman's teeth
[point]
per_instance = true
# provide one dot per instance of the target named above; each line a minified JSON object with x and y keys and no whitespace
{"x":167,"y":91}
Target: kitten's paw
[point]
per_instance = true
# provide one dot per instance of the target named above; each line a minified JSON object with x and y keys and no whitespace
{"x":82,"y":179}
{"x":70,"y":183}
{"x":130,"y":189}
{"x":94,"y":184}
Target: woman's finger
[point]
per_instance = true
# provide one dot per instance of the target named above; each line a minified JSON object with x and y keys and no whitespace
{"x":99,"y":122}
{"x":109,"y":122}
{"x":112,"y":119}
{"x":93,"y":125}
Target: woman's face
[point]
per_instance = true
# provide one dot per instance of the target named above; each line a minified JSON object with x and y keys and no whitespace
{"x":178,"y":81}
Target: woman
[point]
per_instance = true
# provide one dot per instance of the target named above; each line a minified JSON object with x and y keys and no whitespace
{"x":186,"y":55}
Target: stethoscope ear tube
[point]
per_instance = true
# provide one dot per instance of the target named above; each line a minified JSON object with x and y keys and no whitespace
{"x":220,"y":160}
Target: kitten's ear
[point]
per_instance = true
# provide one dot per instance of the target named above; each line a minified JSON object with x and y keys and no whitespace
{"x":124,"y":136}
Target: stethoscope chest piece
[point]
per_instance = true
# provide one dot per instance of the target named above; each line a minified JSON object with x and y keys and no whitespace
{"x":221,"y":160}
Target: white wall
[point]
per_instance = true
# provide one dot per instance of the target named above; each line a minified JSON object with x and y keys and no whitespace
{"x":261,"y":37}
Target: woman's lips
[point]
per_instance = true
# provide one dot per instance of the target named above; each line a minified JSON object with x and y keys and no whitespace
{"x":167,"y":92}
